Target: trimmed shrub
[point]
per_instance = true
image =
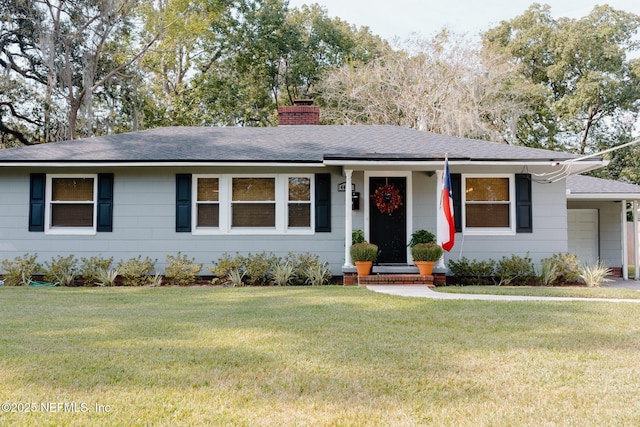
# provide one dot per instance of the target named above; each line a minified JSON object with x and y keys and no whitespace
{"x":472,"y":273}
{"x":515,"y":270}
{"x":567,"y":266}
{"x":61,"y":270}
{"x":364,"y":252}
{"x":426,"y":251}
{"x":265,"y":268}
{"x":94,"y":270}
{"x":226,"y":264}
{"x":136,"y":271}
{"x":20,"y":270}
{"x":181,"y":270}
{"x":258,"y":267}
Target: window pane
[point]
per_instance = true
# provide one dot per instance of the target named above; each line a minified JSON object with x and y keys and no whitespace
{"x":299,"y":215}
{"x":208,"y":215}
{"x":208,"y":189}
{"x":487,"y":215}
{"x":253,"y":215}
{"x":299,"y":189}
{"x":75,"y":215}
{"x":72,"y":189}
{"x":254,"y":189}
{"x":487,"y":189}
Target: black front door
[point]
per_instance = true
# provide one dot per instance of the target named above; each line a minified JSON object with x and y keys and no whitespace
{"x":388,"y":227}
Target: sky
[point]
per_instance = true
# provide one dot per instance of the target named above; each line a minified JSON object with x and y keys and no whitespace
{"x":401,"y":18}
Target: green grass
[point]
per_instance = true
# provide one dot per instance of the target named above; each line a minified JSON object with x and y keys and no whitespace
{"x":314,"y":356}
{"x":542,"y":291}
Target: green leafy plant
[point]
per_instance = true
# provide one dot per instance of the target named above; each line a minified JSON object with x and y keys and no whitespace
{"x":472,"y":272}
{"x":136,"y":271}
{"x":226,"y":263}
{"x":235,"y":277}
{"x":514,"y":270}
{"x":300,"y":262}
{"x":364,"y":252}
{"x":61,"y":270}
{"x":258,"y":267}
{"x":567,"y":265}
{"x":317,"y":275}
{"x":156,"y":280}
{"x":595,"y":275}
{"x":182,"y":270}
{"x":20,"y":270}
{"x":282,"y":274}
{"x":105,"y":277}
{"x":421,"y":236}
{"x":93,"y":269}
{"x":548,"y":272}
{"x":426,"y":251}
{"x":357,"y":236}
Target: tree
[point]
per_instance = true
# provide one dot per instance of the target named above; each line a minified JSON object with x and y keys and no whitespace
{"x":440,"y":85}
{"x":577,"y":72}
{"x":63,"y":54}
{"x":255,"y":55}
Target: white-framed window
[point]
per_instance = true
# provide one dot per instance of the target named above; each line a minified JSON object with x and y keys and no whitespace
{"x":299,"y":202}
{"x":207,"y":202}
{"x":488,"y":204}
{"x":71,"y":204}
{"x":252,"y":204}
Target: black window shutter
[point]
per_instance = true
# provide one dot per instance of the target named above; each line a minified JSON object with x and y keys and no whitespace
{"x":105,"y":202}
{"x":524,"y":219}
{"x":183,"y":203}
{"x":323,"y":202}
{"x":36,"y":201}
{"x":456,"y":189}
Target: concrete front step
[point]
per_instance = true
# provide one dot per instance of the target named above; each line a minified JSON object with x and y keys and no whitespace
{"x":395,"y":279}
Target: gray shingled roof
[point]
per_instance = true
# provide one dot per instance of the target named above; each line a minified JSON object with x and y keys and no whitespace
{"x":274,"y":144}
{"x":587,"y":185}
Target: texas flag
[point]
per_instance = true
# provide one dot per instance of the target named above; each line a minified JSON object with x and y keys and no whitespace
{"x":446,"y":225}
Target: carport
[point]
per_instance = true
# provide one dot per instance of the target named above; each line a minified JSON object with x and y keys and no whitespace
{"x":597,"y":215}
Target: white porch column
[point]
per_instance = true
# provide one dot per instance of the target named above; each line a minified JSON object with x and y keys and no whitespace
{"x":439,"y":265}
{"x":348,"y":219}
{"x":625,"y":257}
{"x":636,"y":228}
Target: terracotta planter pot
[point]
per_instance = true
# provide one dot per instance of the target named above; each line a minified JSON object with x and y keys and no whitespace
{"x":363,"y":267}
{"x":425,"y":268}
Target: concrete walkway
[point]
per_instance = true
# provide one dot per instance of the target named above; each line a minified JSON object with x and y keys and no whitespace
{"x":425,"y":292}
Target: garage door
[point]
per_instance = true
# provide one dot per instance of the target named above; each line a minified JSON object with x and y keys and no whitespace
{"x":583,"y":234}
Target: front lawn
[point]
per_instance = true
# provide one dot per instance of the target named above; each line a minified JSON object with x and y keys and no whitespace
{"x":544,"y":291}
{"x":312,"y":356}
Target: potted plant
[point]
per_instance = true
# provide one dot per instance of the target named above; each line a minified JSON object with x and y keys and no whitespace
{"x":421,"y":236}
{"x":363,"y":255}
{"x":425,"y":255}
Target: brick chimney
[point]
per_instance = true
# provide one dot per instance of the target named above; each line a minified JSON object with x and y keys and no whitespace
{"x":302,"y":112}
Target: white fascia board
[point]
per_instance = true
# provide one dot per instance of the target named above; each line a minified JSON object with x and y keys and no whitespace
{"x":162,"y":164}
{"x":603,"y":196}
{"x":438,"y":163}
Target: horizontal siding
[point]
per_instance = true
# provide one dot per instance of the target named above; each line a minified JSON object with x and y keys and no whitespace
{"x":144,"y":224}
{"x":549,"y":231}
